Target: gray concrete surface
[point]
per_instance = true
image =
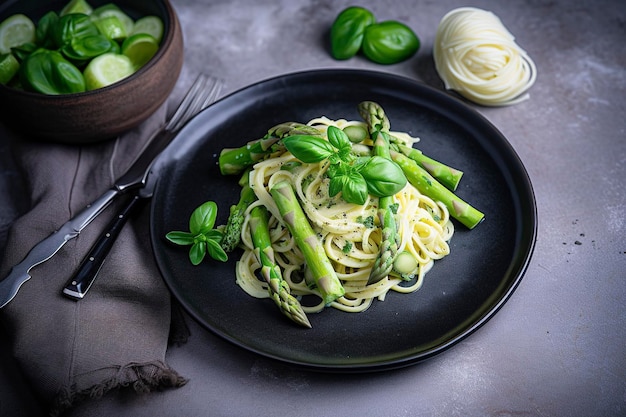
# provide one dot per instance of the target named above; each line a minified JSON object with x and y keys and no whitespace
{"x":557,"y":346}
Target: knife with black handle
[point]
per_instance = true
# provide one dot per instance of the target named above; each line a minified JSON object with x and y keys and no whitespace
{"x":79,"y":284}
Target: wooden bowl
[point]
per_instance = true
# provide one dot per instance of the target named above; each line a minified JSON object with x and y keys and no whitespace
{"x":101,"y":114}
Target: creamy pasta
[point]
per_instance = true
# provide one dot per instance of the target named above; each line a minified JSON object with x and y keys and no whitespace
{"x":349,"y":232}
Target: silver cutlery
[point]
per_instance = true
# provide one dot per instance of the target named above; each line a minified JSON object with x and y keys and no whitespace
{"x":204,"y":91}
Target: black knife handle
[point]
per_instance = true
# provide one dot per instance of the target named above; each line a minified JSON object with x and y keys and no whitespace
{"x":79,"y":284}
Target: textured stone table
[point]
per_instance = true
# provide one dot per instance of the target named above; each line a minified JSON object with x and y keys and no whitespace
{"x":556,"y":348}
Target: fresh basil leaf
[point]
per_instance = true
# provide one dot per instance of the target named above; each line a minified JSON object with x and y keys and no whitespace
{"x":355,"y":189}
{"x":309,"y":149}
{"x":215,"y":250}
{"x":346,"y":32}
{"x":197,"y":252}
{"x":336,"y":185}
{"x":21,"y":52}
{"x":202,"y":236}
{"x":338,"y":169}
{"x":333,"y":171}
{"x":47,"y":71}
{"x":214,"y":234}
{"x":338,"y":138}
{"x":359,"y":163}
{"x":73,"y":25}
{"x":389,"y":42}
{"x":180,"y":238}
{"x":45,"y":29}
{"x":383,"y":176}
{"x":203,"y":218}
{"x":87,"y":47}
{"x":335,"y":158}
{"x":346,"y":155}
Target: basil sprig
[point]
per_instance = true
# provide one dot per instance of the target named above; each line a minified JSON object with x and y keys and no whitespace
{"x":354,"y":177}
{"x":202,"y":237}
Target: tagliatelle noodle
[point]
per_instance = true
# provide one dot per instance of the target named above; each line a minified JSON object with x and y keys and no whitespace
{"x":424,"y":226}
{"x":478,"y":57}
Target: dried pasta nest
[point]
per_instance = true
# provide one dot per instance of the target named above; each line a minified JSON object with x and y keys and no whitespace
{"x":476,"y":56}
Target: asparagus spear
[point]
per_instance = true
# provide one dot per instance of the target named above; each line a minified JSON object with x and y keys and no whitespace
{"x":232,"y":231}
{"x":428,"y":185}
{"x":317,"y":261}
{"x":375,"y":117}
{"x":277,"y":287}
{"x":446,"y":175}
{"x":379,"y":125}
{"x":390,"y":242}
{"x":235,"y":160}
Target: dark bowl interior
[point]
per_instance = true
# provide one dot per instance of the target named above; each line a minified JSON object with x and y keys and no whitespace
{"x":104,"y":113}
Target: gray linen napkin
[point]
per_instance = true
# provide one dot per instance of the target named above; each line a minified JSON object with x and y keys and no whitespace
{"x":117,"y":335}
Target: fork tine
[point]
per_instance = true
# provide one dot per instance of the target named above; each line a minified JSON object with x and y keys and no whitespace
{"x":187,"y":106}
{"x":213,"y":93}
{"x":204,"y":91}
{"x":201,"y":100}
{"x":184,"y":104}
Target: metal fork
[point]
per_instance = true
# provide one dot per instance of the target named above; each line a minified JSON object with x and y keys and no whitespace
{"x":203,"y":92}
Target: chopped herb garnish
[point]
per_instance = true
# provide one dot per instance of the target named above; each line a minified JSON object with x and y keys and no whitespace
{"x":367,"y":222}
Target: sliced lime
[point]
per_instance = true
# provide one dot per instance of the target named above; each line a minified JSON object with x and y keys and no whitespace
{"x":111,"y":27}
{"x":15,"y":31}
{"x":111,"y":9}
{"x":76,"y":6}
{"x":140,"y":48}
{"x":9,"y":66}
{"x":152,"y":25}
{"x":107,"y":69}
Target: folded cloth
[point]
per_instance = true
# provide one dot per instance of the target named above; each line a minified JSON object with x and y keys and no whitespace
{"x":117,"y":335}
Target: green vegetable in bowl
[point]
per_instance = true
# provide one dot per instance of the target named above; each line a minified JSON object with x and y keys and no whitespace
{"x":48,"y":72}
{"x":22,"y":51}
{"x":111,"y":9}
{"x":69,"y":41}
{"x":76,"y":6}
{"x":111,"y":27}
{"x":72,"y":26}
{"x":9,"y":66}
{"x":15,"y":31}
{"x":88,"y":47}
{"x":45,"y":30}
{"x":346,"y":33}
{"x":389,"y":42}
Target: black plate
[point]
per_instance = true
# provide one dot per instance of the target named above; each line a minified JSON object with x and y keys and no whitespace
{"x":460,"y":293}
